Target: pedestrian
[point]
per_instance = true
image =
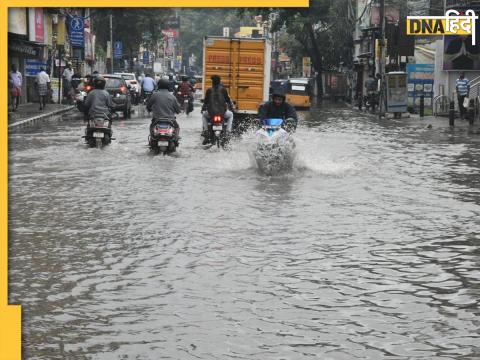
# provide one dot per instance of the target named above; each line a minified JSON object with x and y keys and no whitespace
{"x":42,"y":82}
{"x":67,"y":82}
{"x":16,"y":86}
{"x":463,"y":89}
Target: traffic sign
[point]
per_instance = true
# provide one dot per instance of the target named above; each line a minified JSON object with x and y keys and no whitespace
{"x":117,"y":50}
{"x":77,"y":31}
{"x":146,"y":57}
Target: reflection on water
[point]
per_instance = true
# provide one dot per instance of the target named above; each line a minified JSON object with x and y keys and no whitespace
{"x":367,"y":249}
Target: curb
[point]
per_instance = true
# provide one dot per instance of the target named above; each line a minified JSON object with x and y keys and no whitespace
{"x":40,"y":117}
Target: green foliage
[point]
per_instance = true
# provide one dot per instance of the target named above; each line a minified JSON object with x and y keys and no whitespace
{"x":129,"y":26}
{"x":195,"y":24}
{"x":324,"y":30}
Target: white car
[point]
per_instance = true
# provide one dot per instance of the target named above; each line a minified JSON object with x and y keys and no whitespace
{"x":131,"y":80}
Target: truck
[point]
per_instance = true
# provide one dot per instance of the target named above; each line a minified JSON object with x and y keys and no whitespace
{"x":244,"y":67}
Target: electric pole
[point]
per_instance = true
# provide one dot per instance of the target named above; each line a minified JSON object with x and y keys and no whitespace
{"x":111,"y":43}
{"x":383,"y":94}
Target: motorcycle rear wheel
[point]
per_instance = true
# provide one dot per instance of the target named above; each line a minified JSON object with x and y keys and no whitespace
{"x":98,"y":143}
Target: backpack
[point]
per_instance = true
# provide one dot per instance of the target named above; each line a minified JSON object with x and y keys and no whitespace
{"x":217,"y":103}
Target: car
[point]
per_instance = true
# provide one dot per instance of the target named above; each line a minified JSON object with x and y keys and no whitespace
{"x":118,"y":89}
{"x":131,"y":80}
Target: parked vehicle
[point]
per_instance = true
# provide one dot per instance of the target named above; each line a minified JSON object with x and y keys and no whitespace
{"x":371,"y":100}
{"x":117,"y":88}
{"x":163,"y":137}
{"x":98,"y":132}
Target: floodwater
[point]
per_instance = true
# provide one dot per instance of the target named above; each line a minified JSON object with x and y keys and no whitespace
{"x":368,"y":249}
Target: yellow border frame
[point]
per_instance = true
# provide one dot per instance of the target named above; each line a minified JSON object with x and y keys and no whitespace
{"x":10,"y":315}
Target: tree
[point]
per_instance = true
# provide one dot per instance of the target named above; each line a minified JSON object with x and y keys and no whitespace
{"x":324,"y":30}
{"x":135,"y":27}
{"x":195,"y":24}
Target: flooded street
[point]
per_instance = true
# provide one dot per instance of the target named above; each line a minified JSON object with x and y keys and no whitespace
{"x":368,"y":249}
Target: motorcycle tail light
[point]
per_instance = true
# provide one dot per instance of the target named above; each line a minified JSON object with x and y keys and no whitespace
{"x":88,"y":88}
{"x":217,"y":119}
{"x":123,"y":89}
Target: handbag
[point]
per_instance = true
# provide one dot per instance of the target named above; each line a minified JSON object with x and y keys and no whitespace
{"x":466,"y":102}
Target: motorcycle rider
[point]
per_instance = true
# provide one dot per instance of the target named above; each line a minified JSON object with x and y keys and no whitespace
{"x":164,"y":105}
{"x":147,"y":84}
{"x":171,"y":83}
{"x":278,"y":108}
{"x":186,"y":88}
{"x":98,"y":102}
{"x":216,"y":101}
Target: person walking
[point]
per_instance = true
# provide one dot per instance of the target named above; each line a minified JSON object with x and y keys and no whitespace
{"x":15,"y":81}
{"x":67,"y":82}
{"x":463,"y":89}
{"x":42,"y":82}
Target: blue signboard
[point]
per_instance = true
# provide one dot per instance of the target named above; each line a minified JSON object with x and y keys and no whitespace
{"x":420,"y":82}
{"x":146,"y":57}
{"x":76,"y":26}
{"x":32,"y":67}
{"x":117,"y":50}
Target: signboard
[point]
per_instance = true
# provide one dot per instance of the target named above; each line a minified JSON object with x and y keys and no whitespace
{"x":157,"y":67}
{"x":226,"y":32}
{"x":117,"y":50}
{"x":420,"y":82}
{"x":36,"y":25}
{"x":307,"y":68}
{"x":55,"y":86}
{"x":170,"y":33}
{"x":146,"y":57}
{"x":76,"y":27}
{"x":32,"y":67}
{"x":17,"y":21}
{"x":397,"y":92}
{"x":173,"y":23}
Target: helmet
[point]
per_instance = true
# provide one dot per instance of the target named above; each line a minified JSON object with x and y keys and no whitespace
{"x":99,"y":82}
{"x":184,"y":78}
{"x":163,"y":84}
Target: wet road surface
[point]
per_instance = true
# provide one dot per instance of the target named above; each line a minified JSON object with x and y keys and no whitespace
{"x":368,"y":249}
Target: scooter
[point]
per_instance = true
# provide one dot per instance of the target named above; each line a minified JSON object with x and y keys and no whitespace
{"x":163,"y":136}
{"x":98,"y":132}
{"x":275,"y":149}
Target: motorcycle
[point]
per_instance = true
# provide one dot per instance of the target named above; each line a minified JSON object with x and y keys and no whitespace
{"x":275,"y":149}
{"x":185,"y":101}
{"x":98,"y":132}
{"x":163,"y":137}
{"x":217,"y":130}
{"x":371,"y":100}
{"x":146,"y":96}
{"x":80,"y":96}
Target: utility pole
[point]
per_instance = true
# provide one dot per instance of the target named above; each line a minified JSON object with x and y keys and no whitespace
{"x":383,"y":94}
{"x":111,"y":43}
